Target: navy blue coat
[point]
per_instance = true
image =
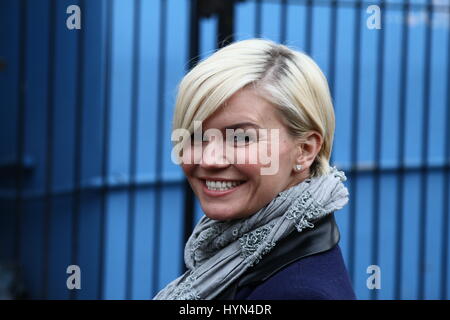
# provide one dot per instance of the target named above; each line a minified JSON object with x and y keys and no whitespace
{"x":322,"y":276}
{"x":306,"y":265}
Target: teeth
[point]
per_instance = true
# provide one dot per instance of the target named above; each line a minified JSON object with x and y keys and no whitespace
{"x":221,"y":185}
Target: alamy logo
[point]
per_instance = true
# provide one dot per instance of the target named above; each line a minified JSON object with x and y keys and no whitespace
{"x":374,"y":20}
{"x":374,"y":280}
{"x":74,"y":280}
{"x":74,"y":20}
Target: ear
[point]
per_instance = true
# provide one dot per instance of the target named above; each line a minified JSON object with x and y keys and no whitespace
{"x":309,"y":147}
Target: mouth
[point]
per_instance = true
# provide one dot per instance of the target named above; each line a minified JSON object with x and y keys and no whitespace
{"x":220,"y":187}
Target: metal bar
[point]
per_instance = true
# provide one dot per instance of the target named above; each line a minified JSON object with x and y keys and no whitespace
{"x":355,"y":137}
{"x":225,"y":24}
{"x":49,"y":147}
{"x":133,"y":146}
{"x":94,"y":187}
{"x":446,"y":204}
{"x":258,"y":22}
{"x":109,"y":11}
{"x":78,"y":165}
{"x":332,"y":55}
{"x":20,"y":128}
{"x":423,"y":200}
{"x":159,"y":145}
{"x":308,"y":26}
{"x":376,"y":199}
{"x":189,"y":214}
{"x":149,"y":183}
{"x":194,"y":34}
{"x":194,"y":49}
{"x":283,"y":21}
{"x":401,"y":146}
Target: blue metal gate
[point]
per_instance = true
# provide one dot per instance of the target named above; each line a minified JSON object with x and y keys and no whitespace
{"x":86,"y":175}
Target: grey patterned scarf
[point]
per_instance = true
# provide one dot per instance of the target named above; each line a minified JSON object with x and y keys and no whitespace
{"x":219,"y":252}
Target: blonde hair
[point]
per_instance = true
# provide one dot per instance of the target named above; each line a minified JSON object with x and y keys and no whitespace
{"x":289,"y":79}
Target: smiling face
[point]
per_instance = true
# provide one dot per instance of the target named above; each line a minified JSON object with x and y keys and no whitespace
{"x":227,"y":180}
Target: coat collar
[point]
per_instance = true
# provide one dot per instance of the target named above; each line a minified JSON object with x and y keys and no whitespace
{"x":324,"y":236}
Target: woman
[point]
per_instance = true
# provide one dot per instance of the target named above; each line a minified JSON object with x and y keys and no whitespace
{"x":260,"y":124}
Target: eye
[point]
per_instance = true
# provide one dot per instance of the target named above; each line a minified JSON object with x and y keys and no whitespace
{"x":242,"y":139}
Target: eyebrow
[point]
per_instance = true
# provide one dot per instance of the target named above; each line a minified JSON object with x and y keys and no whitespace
{"x":242,"y":124}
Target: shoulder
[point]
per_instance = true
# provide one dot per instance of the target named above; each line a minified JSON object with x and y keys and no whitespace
{"x":321,"y":276}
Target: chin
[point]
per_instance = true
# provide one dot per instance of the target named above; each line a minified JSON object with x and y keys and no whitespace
{"x":222,"y":214}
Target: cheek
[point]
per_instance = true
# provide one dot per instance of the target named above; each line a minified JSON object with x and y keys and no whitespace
{"x":187,"y":169}
{"x":286,"y":149}
{"x":191,"y":154}
{"x":245,"y":155}
{"x":251,"y":172}
{"x":258,"y":154}
{"x":286,"y":154}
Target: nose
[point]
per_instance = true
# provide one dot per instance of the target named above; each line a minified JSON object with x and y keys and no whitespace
{"x":213,"y":156}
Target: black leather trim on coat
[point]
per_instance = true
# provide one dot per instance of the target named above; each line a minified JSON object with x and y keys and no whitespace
{"x":324,"y":236}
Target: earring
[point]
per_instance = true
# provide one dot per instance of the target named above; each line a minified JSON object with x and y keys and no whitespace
{"x":298,"y":167}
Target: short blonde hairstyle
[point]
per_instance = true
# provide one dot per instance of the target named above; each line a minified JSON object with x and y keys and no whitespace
{"x":289,"y":79}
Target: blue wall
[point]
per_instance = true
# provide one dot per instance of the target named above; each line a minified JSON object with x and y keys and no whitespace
{"x":132,"y":254}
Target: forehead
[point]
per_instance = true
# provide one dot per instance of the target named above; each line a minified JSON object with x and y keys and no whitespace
{"x":246,"y":105}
